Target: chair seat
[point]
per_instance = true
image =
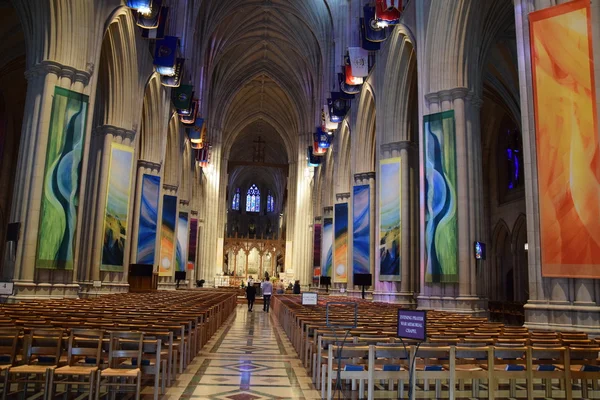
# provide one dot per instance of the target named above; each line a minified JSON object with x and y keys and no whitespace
{"x":31,"y":369}
{"x":128,"y":373}
{"x":75,"y":370}
{"x":469,"y":368}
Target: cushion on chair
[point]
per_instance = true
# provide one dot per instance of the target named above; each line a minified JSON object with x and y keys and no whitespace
{"x":392,"y":367}
{"x":590,"y":368}
{"x":514,"y":367}
{"x":546,"y":367}
{"x":434,"y":368}
{"x":351,"y":367}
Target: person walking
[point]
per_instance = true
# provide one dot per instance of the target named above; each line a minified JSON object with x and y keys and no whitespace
{"x":267,"y":290}
{"x":250,"y":294}
{"x":297,"y":287}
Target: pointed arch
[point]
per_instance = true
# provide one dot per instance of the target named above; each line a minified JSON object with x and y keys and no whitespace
{"x":154,"y":121}
{"x":172,"y":151}
{"x":363,"y":147}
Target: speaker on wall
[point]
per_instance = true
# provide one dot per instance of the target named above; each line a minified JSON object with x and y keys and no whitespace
{"x":12,"y":232}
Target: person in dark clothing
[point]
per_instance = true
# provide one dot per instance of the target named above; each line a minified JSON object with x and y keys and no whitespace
{"x":297,"y":287}
{"x":250,"y":295}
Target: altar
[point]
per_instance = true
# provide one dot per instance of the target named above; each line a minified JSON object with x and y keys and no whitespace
{"x":252,"y":257}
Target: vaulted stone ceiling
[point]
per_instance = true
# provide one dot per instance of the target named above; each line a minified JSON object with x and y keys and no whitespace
{"x":261,"y":67}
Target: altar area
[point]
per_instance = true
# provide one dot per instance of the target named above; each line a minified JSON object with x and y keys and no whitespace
{"x":245,"y":257}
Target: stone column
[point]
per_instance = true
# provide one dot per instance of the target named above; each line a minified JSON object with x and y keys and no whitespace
{"x":341,"y":198}
{"x":194,"y":275}
{"x":144,"y":167}
{"x":98,"y":185}
{"x":461,"y":296}
{"x":167,"y":282}
{"x":28,"y":187}
{"x":360,"y":179}
{"x":402,"y":292}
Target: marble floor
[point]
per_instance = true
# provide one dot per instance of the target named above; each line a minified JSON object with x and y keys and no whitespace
{"x":249,"y":358}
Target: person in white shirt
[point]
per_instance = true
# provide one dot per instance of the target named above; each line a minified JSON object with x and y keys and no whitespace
{"x":267,"y":291}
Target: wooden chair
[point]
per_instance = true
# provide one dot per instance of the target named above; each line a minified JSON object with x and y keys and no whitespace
{"x":512,"y":363}
{"x":388,"y":361}
{"x":83,"y":360}
{"x":435,"y":362}
{"x":472,"y":363}
{"x":585,"y":365}
{"x":351,"y":366}
{"x":9,"y":339}
{"x":41,"y":355}
{"x":551,"y":363}
{"x":123,"y":364}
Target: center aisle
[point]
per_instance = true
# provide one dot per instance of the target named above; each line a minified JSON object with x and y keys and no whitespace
{"x":249,"y":358}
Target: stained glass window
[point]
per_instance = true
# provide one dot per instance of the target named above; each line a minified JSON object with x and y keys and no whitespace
{"x":270,"y":203}
{"x":253,"y":199}
{"x":514,"y":159}
{"x":235,"y":204}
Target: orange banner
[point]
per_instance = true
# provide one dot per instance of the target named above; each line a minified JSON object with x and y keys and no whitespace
{"x":568,"y":156}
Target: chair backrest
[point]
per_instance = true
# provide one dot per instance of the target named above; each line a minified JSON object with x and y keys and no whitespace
{"x":125,"y":345}
{"x":9,"y":339}
{"x":391,"y":351}
{"x":43,"y":344}
{"x":85,"y":343}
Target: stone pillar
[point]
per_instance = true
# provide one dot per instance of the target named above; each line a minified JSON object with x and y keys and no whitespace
{"x":462,"y":296}
{"x":341,"y":198}
{"x":360,"y":179}
{"x":95,"y":204}
{"x":554,"y":303}
{"x":167,"y":282}
{"x":144,"y":167}
{"x":402,"y":292}
{"x":28,"y":187}
{"x":194,"y":275}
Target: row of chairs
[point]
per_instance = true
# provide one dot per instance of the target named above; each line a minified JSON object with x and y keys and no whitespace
{"x":306,"y":327}
{"x":457,"y":366}
{"x":167,"y":341}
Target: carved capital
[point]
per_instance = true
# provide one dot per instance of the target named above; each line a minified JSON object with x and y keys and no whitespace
{"x":328,"y":210}
{"x":171,"y":188}
{"x":193,"y":212}
{"x":114,"y":131}
{"x":342,"y":196}
{"x":149,"y":164}
{"x":318,"y":219}
{"x":397,"y":146}
{"x":184,"y":202}
{"x":60,"y":70}
{"x":364,"y":176}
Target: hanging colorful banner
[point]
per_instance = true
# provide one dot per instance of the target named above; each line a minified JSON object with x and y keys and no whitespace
{"x":116,"y":211}
{"x":388,"y":12}
{"x":338,"y":107}
{"x":144,"y":6}
{"x":327,"y":249}
{"x":62,"y":172}
{"x":326,"y":123}
{"x":371,"y":34}
{"x":441,"y":219}
{"x":345,"y":87}
{"x":351,"y":79}
{"x":361,"y":235}
{"x":182,"y":242}
{"x":190,"y":119}
{"x":182,"y":96}
{"x":193,"y":243}
{"x":148,"y":219}
{"x":567,"y":140}
{"x":151,"y":19}
{"x":159,"y":32}
{"x":165,"y":55}
{"x":340,"y":266}
{"x":390,"y":260}
{"x":359,"y":61}
{"x":175,"y":79}
{"x":312,"y":159}
{"x":167,"y":236}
